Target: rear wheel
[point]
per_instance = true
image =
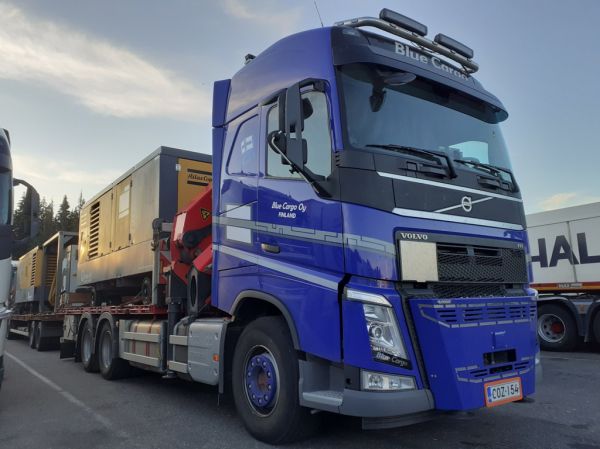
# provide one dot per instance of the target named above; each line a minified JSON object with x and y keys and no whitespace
{"x":33,"y":329}
{"x":111,"y":366}
{"x":556,"y":328}
{"x":596,"y":327}
{"x":265,"y":383}
{"x":89,"y":358}
{"x":10,"y":335}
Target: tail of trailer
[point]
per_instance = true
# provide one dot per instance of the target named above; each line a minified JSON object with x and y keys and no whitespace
{"x":565,"y":248}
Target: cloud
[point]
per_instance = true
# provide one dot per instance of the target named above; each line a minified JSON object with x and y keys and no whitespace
{"x":103,"y":77}
{"x":59,"y":173}
{"x":567,"y":199}
{"x":268,"y":13}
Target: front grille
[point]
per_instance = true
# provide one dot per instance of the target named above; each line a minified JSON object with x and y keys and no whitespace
{"x":478,"y":374}
{"x":468,"y":290}
{"x":467,"y":263}
{"x":481,"y":314}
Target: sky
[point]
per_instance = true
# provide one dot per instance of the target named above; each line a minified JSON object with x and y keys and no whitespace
{"x":89,"y":88}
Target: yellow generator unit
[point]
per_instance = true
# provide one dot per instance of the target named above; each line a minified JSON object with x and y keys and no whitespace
{"x":116,"y":254}
{"x":39,"y":274}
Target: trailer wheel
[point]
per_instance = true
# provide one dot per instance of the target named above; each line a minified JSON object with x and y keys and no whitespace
{"x":556,"y":328}
{"x":10,"y":335}
{"x":33,"y":329}
{"x":89,"y":358}
{"x":111,"y":366}
{"x":265,"y":383}
{"x":596,"y":327}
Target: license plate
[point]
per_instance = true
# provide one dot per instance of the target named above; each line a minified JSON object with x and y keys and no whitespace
{"x":502,"y":391}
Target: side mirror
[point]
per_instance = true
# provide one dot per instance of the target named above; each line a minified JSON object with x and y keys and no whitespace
{"x":295,"y":146}
{"x":31,"y":226}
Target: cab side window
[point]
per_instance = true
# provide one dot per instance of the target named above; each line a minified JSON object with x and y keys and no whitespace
{"x":316,"y":133}
{"x":243,"y":158}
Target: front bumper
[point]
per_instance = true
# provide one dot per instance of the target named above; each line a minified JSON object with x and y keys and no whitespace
{"x":383,"y":404}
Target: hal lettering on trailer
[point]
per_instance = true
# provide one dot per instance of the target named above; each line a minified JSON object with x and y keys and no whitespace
{"x":562,"y":251}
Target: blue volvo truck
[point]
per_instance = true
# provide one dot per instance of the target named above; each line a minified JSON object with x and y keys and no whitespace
{"x":362,"y":249}
{"x":363,"y":188}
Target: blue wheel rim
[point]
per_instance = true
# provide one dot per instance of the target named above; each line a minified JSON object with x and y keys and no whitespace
{"x":261,"y":380}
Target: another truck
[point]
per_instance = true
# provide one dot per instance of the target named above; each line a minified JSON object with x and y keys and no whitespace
{"x":7,"y":237}
{"x":565,"y":248}
{"x":358,"y":245}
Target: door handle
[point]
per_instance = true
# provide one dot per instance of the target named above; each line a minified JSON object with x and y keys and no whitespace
{"x":269,"y":248}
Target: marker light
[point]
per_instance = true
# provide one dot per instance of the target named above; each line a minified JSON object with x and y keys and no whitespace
{"x":454,"y":45}
{"x":403,"y":21}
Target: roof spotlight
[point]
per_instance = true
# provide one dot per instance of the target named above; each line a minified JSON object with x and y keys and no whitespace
{"x":454,"y":45}
{"x":403,"y":22}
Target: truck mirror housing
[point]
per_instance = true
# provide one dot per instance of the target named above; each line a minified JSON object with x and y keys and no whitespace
{"x":31,"y":227}
{"x":296,"y":150}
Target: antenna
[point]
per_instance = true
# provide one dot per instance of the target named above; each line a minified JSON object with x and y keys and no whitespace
{"x":318,"y":13}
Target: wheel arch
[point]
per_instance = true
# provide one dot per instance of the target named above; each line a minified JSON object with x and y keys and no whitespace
{"x":252,"y":304}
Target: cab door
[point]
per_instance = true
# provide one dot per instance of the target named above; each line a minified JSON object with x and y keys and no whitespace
{"x":300,"y":233}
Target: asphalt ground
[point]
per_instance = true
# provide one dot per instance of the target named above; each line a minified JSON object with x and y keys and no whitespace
{"x":50,"y":403}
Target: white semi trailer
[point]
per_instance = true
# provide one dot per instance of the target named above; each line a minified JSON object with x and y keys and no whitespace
{"x":565,"y":250}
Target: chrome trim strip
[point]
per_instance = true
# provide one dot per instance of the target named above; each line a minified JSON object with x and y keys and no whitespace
{"x":276,"y":266}
{"x":448,"y":186}
{"x":456,"y":219}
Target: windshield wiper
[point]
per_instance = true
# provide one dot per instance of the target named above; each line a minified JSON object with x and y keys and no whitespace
{"x":492,"y":169}
{"x":420,"y":153}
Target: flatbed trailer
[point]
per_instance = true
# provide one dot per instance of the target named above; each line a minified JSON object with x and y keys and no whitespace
{"x":332,"y":260}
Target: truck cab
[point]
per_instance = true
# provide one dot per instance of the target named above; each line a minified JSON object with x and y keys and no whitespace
{"x":363,"y":192}
{"x":6,"y":184}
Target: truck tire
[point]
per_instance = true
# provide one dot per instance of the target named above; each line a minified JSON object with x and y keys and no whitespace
{"x":89,"y":357}
{"x":596,"y":327}
{"x":111,"y":366}
{"x":265,"y":384}
{"x":33,"y":329}
{"x":556,"y":328}
{"x":10,"y":335}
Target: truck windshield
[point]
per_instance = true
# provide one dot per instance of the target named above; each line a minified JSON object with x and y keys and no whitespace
{"x":5,"y":197}
{"x":384,"y":108}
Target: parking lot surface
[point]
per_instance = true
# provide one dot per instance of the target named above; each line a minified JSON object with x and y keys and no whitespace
{"x":46,"y":402}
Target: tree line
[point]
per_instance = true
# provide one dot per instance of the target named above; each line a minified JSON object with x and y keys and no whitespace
{"x":65,"y":219}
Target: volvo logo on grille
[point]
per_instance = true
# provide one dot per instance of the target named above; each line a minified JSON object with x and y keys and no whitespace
{"x":413,"y":236}
{"x":467,"y":203}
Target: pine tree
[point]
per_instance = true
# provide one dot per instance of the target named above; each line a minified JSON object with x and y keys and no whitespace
{"x":63,"y":215}
{"x":19,"y":219}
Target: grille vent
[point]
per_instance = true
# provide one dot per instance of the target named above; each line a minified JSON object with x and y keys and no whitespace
{"x":94,"y":230}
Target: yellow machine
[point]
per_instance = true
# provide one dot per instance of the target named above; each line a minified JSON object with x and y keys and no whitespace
{"x":116,"y":229}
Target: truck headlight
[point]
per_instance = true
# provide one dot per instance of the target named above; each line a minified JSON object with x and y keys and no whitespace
{"x":386,"y":382}
{"x":384,"y":335}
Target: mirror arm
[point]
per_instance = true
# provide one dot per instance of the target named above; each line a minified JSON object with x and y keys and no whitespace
{"x":305,"y":172}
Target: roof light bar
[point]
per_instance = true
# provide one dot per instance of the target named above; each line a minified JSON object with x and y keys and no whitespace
{"x":453,"y":44}
{"x":403,"y":22}
{"x":413,"y":31}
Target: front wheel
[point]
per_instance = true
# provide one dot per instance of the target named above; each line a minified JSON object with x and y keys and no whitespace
{"x":265,"y":383}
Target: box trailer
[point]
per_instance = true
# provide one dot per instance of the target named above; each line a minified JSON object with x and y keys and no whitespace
{"x":565,"y":258}
{"x":330,"y":260}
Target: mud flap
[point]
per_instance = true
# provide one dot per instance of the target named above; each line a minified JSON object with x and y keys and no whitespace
{"x":467,"y":343}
